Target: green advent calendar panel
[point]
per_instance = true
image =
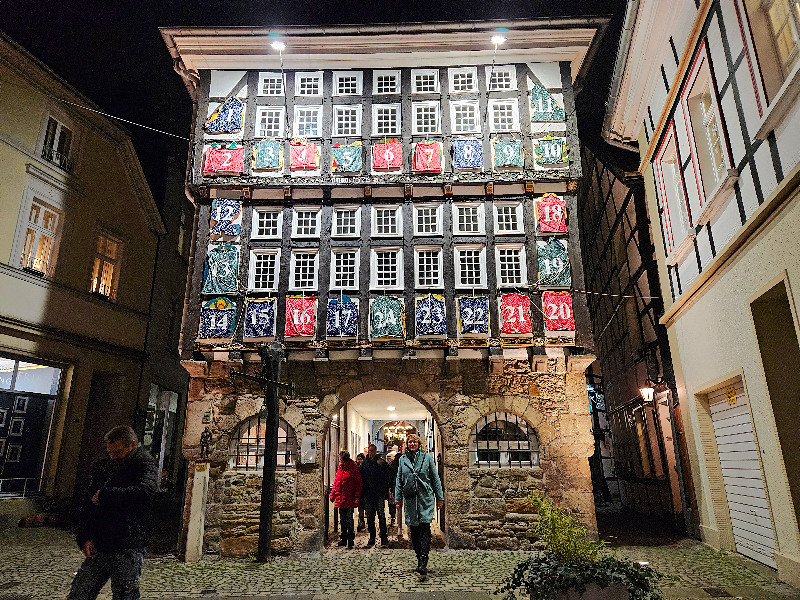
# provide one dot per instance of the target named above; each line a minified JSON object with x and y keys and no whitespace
{"x":543,"y":106}
{"x":220,"y":272}
{"x":386,"y":317}
{"x":553,"y":261}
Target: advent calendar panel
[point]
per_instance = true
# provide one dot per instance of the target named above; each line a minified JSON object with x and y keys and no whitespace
{"x":223,"y":161}
{"x":217,"y":319}
{"x":467,"y":154}
{"x":268,"y":156}
{"x":300,"y":316}
{"x":259,"y":318}
{"x":515,"y":314}
{"x":543,"y":106}
{"x":347,"y":159}
{"x":226,"y":218}
{"x":557,"y":308}
{"x":430,"y":316}
{"x":508,"y":154}
{"x":386,"y":317}
{"x":551,"y":214}
{"x":553,"y":262}
{"x":227,"y":118}
{"x":387,"y":156}
{"x":551,"y":151}
{"x":221,"y":270}
{"x":427,"y":157}
{"x":473,"y":315}
{"x":342,"y":317}
{"x":304,"y":156}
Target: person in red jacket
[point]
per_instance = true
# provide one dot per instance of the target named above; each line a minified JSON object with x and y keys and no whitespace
{"x":345,"y":494}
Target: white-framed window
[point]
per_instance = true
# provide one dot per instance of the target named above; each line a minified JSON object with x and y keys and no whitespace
{"x":385,"y":82}
{"x":345,"y":265}
{"x":264,"y":267}
{"x":510,"y":260}
{"x":347,"y":120}
{"x":426,"y":117}
{"x":503,"y":115}
{"x":306,"y":221}
{"x":269,"y":121}
{"x":428,"y":219}
{"x":501,"y":77}
{"x":267,"y":223}
{"x":387,"y":268}
{"x":428,"y":266}
{"x":346,"y":221}
{"x":105,"y":270}
{"x":387,"y":221}
{"x":41,"y":235}
{"x":57,"y":144}
{"x":468,"y":218}
{"x":308,"y":84}
{"x":508,"y":217}
{"x":669,"y":180}
{"x":270,"y":84}
{"x":470,"y":265}
{"x":463,"y":80}
{"x":465,"y":116}
{"x":385,"y":120}
{"x":424,"y":81}
{"x":784,"y":21}
{"x":347,"y":83}
{"x":307,"y":121}
{"x":303,"y":275}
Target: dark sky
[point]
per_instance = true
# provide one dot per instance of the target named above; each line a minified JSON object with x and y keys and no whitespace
{"x":112,"y":51}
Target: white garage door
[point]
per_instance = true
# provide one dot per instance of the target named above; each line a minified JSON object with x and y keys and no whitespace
{"x":741,"y":472}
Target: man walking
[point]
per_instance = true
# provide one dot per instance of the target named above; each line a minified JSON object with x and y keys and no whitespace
{"x":113,"y":526}
{"x":375,"y":477}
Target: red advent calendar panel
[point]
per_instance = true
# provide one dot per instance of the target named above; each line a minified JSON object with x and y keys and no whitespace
{"x":557,"y":307}
{"x":303,"y":156}
{"x":387,"y":155}
{"x":223,"y":160}
{"x":428,"y":157}
{"x":515,"y":313}
{"x":300,"y":316}
{"x":551,"y":214}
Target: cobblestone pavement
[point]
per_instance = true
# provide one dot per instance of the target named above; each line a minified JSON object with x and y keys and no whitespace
{"x":39,"y":563}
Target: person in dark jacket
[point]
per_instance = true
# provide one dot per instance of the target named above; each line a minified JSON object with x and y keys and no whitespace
{"x":375,"y":474}
{"x":114,"y":523}
{"x":345,"y":494}
{"x":392,"y":459}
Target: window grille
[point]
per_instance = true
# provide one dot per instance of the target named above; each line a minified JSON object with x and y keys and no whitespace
{"x":306,"y":121}
{"x":426,"y":117}
{"x":468,"y":219}
{"x":246,"y":450}
{"x":345,"y":222}
{"x":265,"y":270}
{"x":270,"y":123}
{"x":386,"y":221}
{"x":508,"y":220}
{"x":386,"y":268}
{"x":428,"y":268}
{"x":348,"y":85}
{"x":386,"y":83}
{"x":306,"y":223}
{"x":347,"y":121}
{"x":504,"y":115}
{"x":40,"y":237}
{"x":272,"y":85}
{"x":503,"y":440}
{"x":470,"y":273}
{"x":427,"y":220}
{"x":345,"y":270}
{"x":465,"y":118}
{"x":57,"y":144}
{"x":426,"y":82}
{"x":386,"y":120}
{"x":304,"y":270}
{"x":501,"y":78}
{"x":309,"y":84}
{"x":463,"y":80}
{"x":267,"y":223}
{"x":509,"y":261}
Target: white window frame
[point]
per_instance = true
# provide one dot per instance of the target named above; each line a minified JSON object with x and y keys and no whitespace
{"x":477,"y":111}
{"x":438,"y":207}
{"x":428,"y":286}
{"x":427,"y":104}
{"x":39,"y":231}
{"x":518,"y":206}
{"x":345,"y":250}
{"x":293,"y":269}
{"x":67,"y":162}
{"x":251,"y":273}
{"x":436,"y":85}
{"x":673,"y":199}
{"x":375,"y":109}
{"x":263,"y":76}
{"x":261,"y":110}
{"x":95,"y":283}
{"x":338,"y":75}
{"x":299,"y":209}
{"x":494,"y":70}
{"x":398,"y":218}
{"x":481,"y":218}
{"x":296,"y":123}
{"x":792,"y":22}
{"x":493,"y":104}
{"x":453,"y":71}
{"x":254,"y":227}
{"x":337,"y":108}
{"x":374,"y":267}
{"x":337,"y":209}
{"x":523,"y":264}
{"x":385,"y":73}
{"x":302,"y":74}
{"x":36,"y":190}
{"x":457,"y":250}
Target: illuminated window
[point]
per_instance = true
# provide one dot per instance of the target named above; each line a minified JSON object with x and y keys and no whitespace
{"x":38,"y":246}
{"x":246,"y":450}
{"x":503,"y":440}
{"x":105,"y":272}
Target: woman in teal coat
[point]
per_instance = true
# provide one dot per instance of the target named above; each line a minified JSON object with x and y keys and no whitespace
{"x":416,"y":463}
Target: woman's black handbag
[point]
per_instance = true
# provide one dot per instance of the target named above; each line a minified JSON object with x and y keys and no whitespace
{"x":411,"y":486}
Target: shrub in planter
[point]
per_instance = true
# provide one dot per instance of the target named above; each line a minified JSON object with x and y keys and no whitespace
{"x":572,"y":563}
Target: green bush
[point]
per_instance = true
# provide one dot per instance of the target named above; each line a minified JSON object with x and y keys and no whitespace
{"x":562,"y":533}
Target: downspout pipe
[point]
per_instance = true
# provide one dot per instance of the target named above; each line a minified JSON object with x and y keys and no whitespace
{"x":612,"y":137}
{"x":195,"y":218}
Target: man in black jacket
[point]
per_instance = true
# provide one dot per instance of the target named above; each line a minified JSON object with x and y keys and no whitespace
{"x":375,"y":475}
{"x":114,"y":519}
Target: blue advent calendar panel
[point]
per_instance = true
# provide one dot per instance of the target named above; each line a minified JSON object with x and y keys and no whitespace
{"x":227,"y":118}
{"x":467,"y":154}
{"x":430,"y":315}
{"x":226,"y":218}
{"x":473,"y":315}
{"x":220,"y":273}
{"x":259,"y":318}
{"x":217,"y":319}
{"x":342,"y":318}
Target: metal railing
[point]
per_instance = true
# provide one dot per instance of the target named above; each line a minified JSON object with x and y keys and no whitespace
{"x":61,"y":160}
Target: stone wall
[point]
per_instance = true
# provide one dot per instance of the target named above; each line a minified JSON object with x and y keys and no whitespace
{"x":484,"y":508}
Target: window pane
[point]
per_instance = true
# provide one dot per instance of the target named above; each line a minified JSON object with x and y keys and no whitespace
{"x":428,"y":267}
{"x":264,"y":269}
{"x":6,"y":372}
{"x":386,"y":268}
{"x":37,"y":379}
{"x":469,"y":267}
{"x":344,"y":274}
{"x":267,"y":223}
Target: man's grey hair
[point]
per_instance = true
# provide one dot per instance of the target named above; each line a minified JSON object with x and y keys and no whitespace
{"x":124,"y":433}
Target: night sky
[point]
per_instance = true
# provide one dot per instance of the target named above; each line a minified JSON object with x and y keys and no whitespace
{"x":113,"y":53}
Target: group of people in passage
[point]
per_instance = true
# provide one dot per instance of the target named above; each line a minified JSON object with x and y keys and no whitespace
{"x":411,"y":483}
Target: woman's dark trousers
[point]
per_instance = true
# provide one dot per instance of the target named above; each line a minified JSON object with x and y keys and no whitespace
{"x":421,"y":540}
{"x":346,"y":523}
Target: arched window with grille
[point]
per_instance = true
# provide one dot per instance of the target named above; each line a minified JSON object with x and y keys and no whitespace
{"x":246,"y":450}
{"x":503,"y":440}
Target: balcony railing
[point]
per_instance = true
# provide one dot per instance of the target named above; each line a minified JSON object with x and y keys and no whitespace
{"x":60,"y":160}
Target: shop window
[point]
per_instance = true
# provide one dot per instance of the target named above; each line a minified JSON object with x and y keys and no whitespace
{"x":503,"y":440}
{"x":246,"y":450}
